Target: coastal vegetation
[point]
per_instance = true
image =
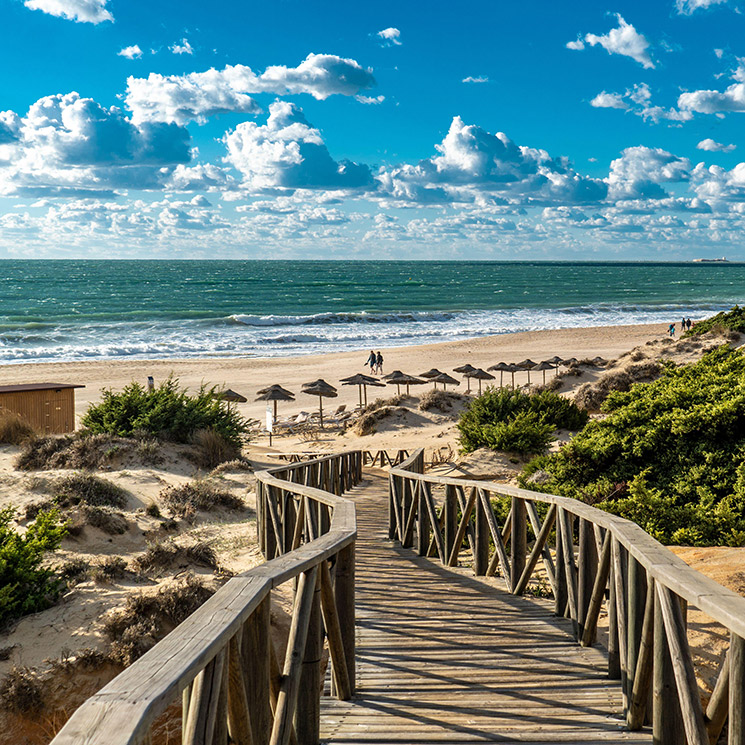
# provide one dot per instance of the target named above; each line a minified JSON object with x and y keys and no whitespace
{"x":510,"y":420}
{"x":732,"y":320}
{"x":669,"y":455}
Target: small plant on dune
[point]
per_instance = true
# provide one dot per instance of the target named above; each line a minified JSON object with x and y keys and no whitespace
{"x":211,"y":448}
{"x":21,"y":692}
{"x":440,"y":400}
{"x":14,"y":429}
{"x":168,"y":412}
{"x":508,"y":419}
{"x":111,"y":568}
{"x":25,"y":585}
{"x":732,"y":320}
{"x":107,"y":520}
{"x":89,"y":489}
{"x":198,"y":495}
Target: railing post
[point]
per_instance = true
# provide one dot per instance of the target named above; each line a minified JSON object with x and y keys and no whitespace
{"x":637,"y":594}
{"x":587,"y":561}
{"x":518,"y":541}
{"x":422,"y":521}
{"x":451,"y":518}
{"x":344,"y":594}
{"x":270,"y":539}
{"x":481,"y":554}
{"x":394,"y":488}
{"x":260,"y":518}
{"x":736,"y":732}
{"x":561,"y":595}
{"x":407,"y":497}
{"x":667,"y":720}
{"x":308,"y":708}
{"x":255,"y":658}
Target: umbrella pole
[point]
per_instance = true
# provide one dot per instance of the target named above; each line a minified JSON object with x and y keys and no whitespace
{"x":528,"y":378}
{"x":544,"y":377}
{"x":513,"y":381}
{"x":501,"y":377}
{"x":320,"y":409}
{"x":274,"y":419}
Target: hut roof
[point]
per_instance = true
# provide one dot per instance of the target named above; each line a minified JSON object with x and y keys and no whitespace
{"x":22,"y":387}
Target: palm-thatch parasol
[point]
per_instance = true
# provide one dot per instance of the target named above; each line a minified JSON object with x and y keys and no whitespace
{"x":480,"y":375}
{"x":543,"y":366}
{"x":599,"y":361}
{"x":322,"y":389}
{"x":433,"y":373}
{"x":362,"y":381}
{"x":465,"y":369}
{"x":570,"y":361}
{"x":503,"y":367}
{"x":556,"y":361}
{"x":231,"y":396}
{"x":398,"y":379}
{"x":528,"y":365}
{"x":274,"y":393}
{"x":445,"y":379}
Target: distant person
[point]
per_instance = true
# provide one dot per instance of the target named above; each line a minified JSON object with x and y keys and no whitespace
{"x":379,"y":364}
{"x":372,"y":360}
{"x":671,"y":329}
{"x":689,"y":323}
{"x":682,"y":325}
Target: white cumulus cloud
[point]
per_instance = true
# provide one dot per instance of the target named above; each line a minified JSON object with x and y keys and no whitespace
{"x":686,"y":7}
{"x":624,"y":40}
{"x":478,"y":79}
{"x":198,"y":95}
{"x":712,"y":146}
{"x":182,"y":47}
{"x":638,"y":100}
{"x":609,"y":101}
{"x":287,"y":152}
{"x":640,"y":171}
{"x":82,"y":11}
{"x":133,"y":52}
{"x":731,"y":99}
{"x":390,"y":37}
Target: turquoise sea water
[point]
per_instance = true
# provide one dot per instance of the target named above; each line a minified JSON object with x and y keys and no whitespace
{"x":67,"y":310}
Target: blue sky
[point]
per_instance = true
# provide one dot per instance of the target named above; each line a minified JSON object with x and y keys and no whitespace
{"x":533,"y":130}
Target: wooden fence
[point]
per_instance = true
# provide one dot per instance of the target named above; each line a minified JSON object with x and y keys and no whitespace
{"x":599,"y":560}
{"x":369,"y":457}
{"x":221,"y":661}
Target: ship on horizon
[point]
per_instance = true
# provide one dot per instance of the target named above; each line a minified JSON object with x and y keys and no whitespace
{"x":721,"y":260}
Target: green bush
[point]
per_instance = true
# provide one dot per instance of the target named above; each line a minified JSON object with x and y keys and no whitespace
{"x":167,"y":411}
{"x":669,"y":455}
{"x":25,"y":586}
{"x":733,"y":319}
{"x":507,"y":419}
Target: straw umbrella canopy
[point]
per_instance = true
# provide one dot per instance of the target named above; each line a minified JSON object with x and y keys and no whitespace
{"x":362,"y":381}
{"x":556,"y":361}
{"x":503,"y":367}
{"x":322,"y":389}
{"x":445,"y":379}
{"x":570,"y":361}
{"x":543,"y":366}
{"x":275,"y":393}
{"x":465,"y":369}
{"x":403,"y":379}
{"x":232,"y":396}
{"x":480,"y":375}
{"x":433,"y":373}
{"x":527,"y":365}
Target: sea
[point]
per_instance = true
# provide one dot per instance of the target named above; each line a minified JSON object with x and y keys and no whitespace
{"x":85,"y":310}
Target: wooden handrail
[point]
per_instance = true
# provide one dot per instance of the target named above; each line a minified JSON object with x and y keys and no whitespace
{"x":219,"y":660}
{"x":646,"y":589}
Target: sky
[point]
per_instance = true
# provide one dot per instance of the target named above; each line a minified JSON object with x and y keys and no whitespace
{"x":494,"y":130}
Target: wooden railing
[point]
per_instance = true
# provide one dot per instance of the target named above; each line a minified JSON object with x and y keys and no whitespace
{"x":221,"y":661}
{"x":599,"y":560}
{"x":369,"y":457}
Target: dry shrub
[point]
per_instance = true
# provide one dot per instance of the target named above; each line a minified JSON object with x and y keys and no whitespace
{"x":111,"y":568}
{"x":14,"y":429}
{"x":237,"y":465}
{"x":88,"y":489}
{"x":382,"y":403}
{"x":21,"y":692}
{"x":211,"y":448}
{"x":161,"y":557}
{"x":149,"y":451}
{"x":365,"y":425}
{"x":590,"y":396}
{"x":184,"y":500}
{"x":74,"y":571}
{"x":33,"y":509}
{"x":109,"y":521}
{"x":440,"y":400}
{"x":81,"y":450}
{"x":145,"y":619}
{"x":152,"y":510}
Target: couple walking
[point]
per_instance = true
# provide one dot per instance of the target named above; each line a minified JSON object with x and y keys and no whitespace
{"x":375,"y":361}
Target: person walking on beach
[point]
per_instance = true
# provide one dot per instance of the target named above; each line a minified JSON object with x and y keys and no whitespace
{"x":689,"y":323}
{"x":371,"y":362}
{"x":379,"y":364}
{"x":671,"y":329}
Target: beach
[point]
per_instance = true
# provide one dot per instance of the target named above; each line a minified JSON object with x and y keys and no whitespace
{"x":248,"y":375}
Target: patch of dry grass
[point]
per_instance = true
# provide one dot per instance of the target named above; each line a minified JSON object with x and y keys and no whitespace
{"x":21,"y":692}
{"x":163,"y":556}
{"x":590,"y":396}
{"x":200,"y":494}
{"x":211,"y":448}
{"x":111,"y":568}
{"x":107,"y":520}
{"x":441,"y":400}
{"x":14,"y":429}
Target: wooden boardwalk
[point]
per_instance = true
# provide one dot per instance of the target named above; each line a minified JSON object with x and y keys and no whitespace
{"x":443,"y":657}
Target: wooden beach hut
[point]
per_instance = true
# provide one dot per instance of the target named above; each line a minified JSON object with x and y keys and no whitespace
{"x":48,"y":407}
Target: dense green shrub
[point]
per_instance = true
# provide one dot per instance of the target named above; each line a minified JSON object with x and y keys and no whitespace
{"x":669,"y":455}
{"x":167,"y":411}
{"x":733,"y":319}
{"x":508,"y":419}
{"x":25,"y":586}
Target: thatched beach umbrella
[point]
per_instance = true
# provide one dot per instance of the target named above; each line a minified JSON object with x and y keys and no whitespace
{"x":543,"y":366}
{"x":322,"y":389}
{"x":465,"y":369}
{"x":274,"y":393}
{"x":403,"y":379}
{"x":503,"y":367}
{"x":556,"y":361}
{"x":570,"y":361}
{"x":480,"y":375}
{"x":232,"y":396}
{"x":433,"y":373}
{"x":445,"y":379}
{"x":527,"y":365}
{"x":362,"y":381}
